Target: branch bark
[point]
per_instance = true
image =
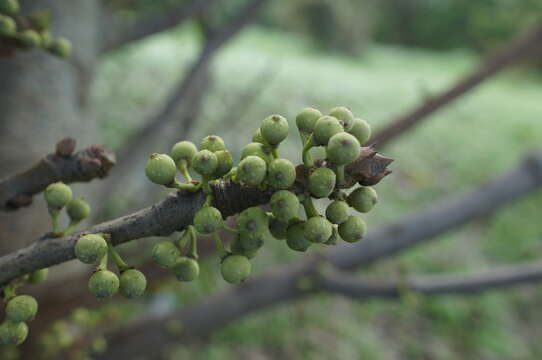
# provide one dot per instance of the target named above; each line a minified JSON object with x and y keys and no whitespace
{"x":85,"y":165}
{"x":518,"y":50}
{"x":118,"y":35}
{"x":170,"y":215}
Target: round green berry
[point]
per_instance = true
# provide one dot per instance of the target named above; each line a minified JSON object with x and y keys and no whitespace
{"x":278,"y":229}
{"x":295,"y":237}
{"x":58,"y":195}
{"x":165,"y":254}
{"x":252,"y":170}
{"x":225,"y":163}
{"x":78,"y":209}
{"x":306,"y":119}
{"x":13,"y":334}
{"x":9,"y":7}
{"x":325,"y":128}
{"x":257,"y":149}
{"x":317,"y":229}
{"x":337,"y":212}
{"x":132,"y":283}
{"x":284,"y":205}
{"x":7,"y":26}
{"x":322,"y":182}
{"x":186,"y":269}
{"x":60,"y":47}
{"x":274,"y":129}
{"x":90,"y":248}
{"x":257,"y":137}
{"x":161,"y":169}
{"x":363,"y":199}
{"x":250,"y":242}
{"x":29,"y":38}
{"x":353,"y":229}
{"x":281,"y":174}
{"x":361,"y":130}
{"x":235,"y":269}
{"x":212,"y":143}
{"x":205,"y":162}
{"x":208,"y":220}
{"x":237,"y":249}
{"x":103,"y":284}
{"x":253,"y":222}
{"x":183,"y":150}
{"x":38,"y":276}
{"x":22,"y":308}
{"x":343,"y":148}
{"x":344,"y":115}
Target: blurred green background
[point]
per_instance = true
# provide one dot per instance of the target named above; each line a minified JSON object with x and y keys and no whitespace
{"x":381,"y":58}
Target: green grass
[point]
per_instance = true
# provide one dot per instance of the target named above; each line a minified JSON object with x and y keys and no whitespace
{"x":468,"y":142}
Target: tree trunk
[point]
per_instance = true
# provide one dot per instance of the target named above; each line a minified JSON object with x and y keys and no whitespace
{"x":42,"y":99}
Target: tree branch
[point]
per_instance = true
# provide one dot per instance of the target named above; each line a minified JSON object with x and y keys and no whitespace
{"x":93,"y":162}
{"x":283,"y":286}
{"x":516,"y":51}
{"x":118,"y":35}
{"x":353,"y":287}
{"x":170,"y":215}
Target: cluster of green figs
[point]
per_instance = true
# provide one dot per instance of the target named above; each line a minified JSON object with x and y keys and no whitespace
{"x":31,"y":31}
{"x":340,"y":133}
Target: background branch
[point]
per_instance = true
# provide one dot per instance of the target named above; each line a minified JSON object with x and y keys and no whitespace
{"x":118,"y":35}
{"x":93,"y":162}
{"x":518,"y":50}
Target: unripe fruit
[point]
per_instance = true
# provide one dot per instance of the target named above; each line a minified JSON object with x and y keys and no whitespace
{"x":343,"y":148}
{"x":363,"y":199}
{"x":183,"y":150}
{"x":9,"y":7}
{"x":186,"y":269}
{"x":295,"y":237}
{"x":325,"y":128}
{"x":337,"y":212}
{"x":252,"y":170}
{"x":165,"y":254}
{"x":321,"y":182}
{"x":161,"y":169}
{"x":22,"y":308}
{"x":361,"y":130}
{"x":60,"y":47}
{"x":225,"y":163}
{"x":253,"y":222}
{"x":281,"y":174}
{"x":257,"y":137}
{"x":278,"y":229}
{"x":284,"y":205}
{"x":29,"y":38}
{"x":78,"y":209}
{"x":90,"y":248}
{"x":38,"y":276}
{"x":103,"y":284}
{"x":58,"y":195}
{"x":251,"y":242}
{"x":256,"y":149}
{"x":212,"y":143}
{"x":208,"y":220}
{"x":237,"y":249}
{"x":317,"y":229}
{"x":353,"y":229}
{"x":274,"y":129}
{"x":13,"y":334}
{"x":235,"y":269}
{"x":344,"y":115}
{"x":132,"y":283}
{"x":7,"y":26}
{"x":306,"y":119}
{"x":205,"y":162}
